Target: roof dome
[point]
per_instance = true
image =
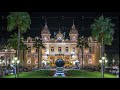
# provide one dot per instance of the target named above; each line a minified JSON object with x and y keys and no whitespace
{"x":59,"y":34}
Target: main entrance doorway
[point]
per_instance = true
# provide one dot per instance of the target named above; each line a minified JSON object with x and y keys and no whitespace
{"x":67,"y":59}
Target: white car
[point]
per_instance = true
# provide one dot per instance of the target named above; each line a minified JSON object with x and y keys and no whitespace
{"x":114,"y":71}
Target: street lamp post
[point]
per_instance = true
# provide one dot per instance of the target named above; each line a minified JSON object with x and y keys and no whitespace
{"x":15,"y":61}
{"x":103,"y":61}
{"x":6,"y":56}
{"x":0,"y":62}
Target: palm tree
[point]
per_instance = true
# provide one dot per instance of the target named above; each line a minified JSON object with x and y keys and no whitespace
{"x":81,"y":44}
{"x":12,"y":42}
{"x":39,"y":45}
{"x":21,"y":21}
{"x":102,"y":30}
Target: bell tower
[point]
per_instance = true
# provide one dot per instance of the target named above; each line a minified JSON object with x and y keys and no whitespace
{"x":73,"y":33}
{"x":45,"y":33}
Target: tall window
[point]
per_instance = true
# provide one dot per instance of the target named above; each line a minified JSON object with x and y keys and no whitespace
{"x":29,"y":49}
{"x":90,"y":49}
{"x":73,"y":49}
{"x":59,"y":49}
{"x":36,"y":50}
{"x":66,"y":49}
{"x":52,"y":49}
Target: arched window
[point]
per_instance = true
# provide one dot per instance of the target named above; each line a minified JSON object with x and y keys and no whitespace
{"x":73,"y":49}
{"x":29,"y":49}
{"x":52,"y":49}
{"x":36,"y":61}
{"x":29,"y":61}
{"x":59,"y":49}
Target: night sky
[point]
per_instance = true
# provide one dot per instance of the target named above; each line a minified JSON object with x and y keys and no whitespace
{"x":83,"y":20}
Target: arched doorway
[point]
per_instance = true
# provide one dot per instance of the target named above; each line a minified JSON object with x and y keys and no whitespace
{"x":52,"y":60}
{"x":67,"y":61}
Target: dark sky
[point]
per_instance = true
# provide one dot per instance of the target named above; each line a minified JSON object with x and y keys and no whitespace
{"x":83,"y":20}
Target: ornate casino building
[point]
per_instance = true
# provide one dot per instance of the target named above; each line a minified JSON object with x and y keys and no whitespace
{"x":59,"y":47}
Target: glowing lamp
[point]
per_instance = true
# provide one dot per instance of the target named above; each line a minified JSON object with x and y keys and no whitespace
{"x":15,"y":58}
{"x":18,"y":61}
{"x":100,"y":61}
{"x":106,"y":61}
{"x":103,"y":58}
{"x":13,"y":61}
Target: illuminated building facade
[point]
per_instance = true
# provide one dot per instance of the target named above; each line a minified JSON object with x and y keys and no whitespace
{"x":59,"y":47}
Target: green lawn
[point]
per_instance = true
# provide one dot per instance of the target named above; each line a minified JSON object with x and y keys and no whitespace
{"x":70,"y":73}
{"x":88,"y":74}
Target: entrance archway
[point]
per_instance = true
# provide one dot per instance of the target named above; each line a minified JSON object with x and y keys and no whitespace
{"x":67,"y":61}
{"x":52,"y":59}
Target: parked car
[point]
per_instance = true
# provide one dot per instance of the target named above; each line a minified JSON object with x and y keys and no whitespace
{"x":114,"y":71}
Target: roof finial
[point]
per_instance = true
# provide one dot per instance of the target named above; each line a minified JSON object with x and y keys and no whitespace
{"x":73,"y":26}
{"x":73,"y":21}
{"x":46,"y":27}
{"x":45,"y":21}
{"x":59,"y":27}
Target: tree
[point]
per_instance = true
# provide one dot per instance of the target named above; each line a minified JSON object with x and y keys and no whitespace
{"x":12,"y":43}
{"x":81,"y":44}
{"x":103,"y":30}
{"x":21,"y":21}
{"x":39,"y":45}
